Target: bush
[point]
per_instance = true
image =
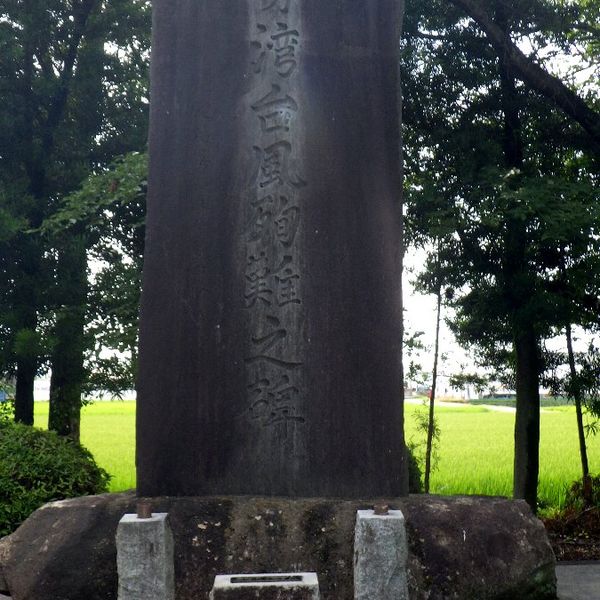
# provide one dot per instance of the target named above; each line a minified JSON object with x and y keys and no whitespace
{"x":415,"y":484}
{"x":38,"y":466}
{"x":576,"y":494}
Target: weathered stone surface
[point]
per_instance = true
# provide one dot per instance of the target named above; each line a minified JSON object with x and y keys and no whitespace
{"x":145,"y":562}
{"x":477,"y":548}
{"x":269,"y":586}
{"x":270,"y":341}
{"x":459,"y":548}
{"x":380,"y":556}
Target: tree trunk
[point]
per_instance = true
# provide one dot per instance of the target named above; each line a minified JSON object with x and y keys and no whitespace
{"x":431,"y":422}
{"x":26,"y":301}
{"x":519,"y":288}
{"x":35,"y":162}
{"x":28,"y":254}
{"x":527,"y":420}
{"x":26,"y":371}
{"x":576,"y":391}
{"x":69,"y":342}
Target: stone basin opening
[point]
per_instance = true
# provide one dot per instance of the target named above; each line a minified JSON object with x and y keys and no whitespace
{"x":268,"y":579}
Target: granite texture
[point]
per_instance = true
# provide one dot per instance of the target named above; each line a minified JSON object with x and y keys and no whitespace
{"x":145,"y":562}
{"x":380,"y":556}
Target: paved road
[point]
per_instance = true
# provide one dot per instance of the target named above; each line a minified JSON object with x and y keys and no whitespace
{"x":578,"y":581}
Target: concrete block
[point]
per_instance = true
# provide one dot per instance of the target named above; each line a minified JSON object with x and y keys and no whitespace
{"x":145,"y":561}
{"x":380,"y":556}
{"x":266,"y":586}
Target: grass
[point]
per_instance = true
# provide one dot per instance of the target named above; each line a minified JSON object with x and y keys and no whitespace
{"x":475,"y":449}
{"x":108,"y":431}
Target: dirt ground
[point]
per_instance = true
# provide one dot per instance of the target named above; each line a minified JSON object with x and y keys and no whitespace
{"x":575,"y":535}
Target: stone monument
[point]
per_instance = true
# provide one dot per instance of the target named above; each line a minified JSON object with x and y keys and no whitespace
{"x":270,"y":343}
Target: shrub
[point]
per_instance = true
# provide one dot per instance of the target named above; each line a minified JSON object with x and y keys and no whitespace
{"x":7,"y":411}
{"x":38,"y":466}
{"x":415,"y":484}
{"x":576,"y":494}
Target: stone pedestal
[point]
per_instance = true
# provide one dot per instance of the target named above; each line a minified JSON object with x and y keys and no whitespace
{"x":460,"y":547}
{"x":270,"y":333}
{"x":267,"y":586}
{"x":145,"y":562}
{"x":380,"y":556}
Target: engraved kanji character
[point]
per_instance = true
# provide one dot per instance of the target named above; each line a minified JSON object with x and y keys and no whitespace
{"x":285,"y":415}
{"x":281,"y":46}
{"x":285,"y":42}
{"x":259,"y":63}
{"x":282,"y":5}
{"x":262,"y":211}
{"x":286,"y":223}
{"x":287,"y":278}
{"x":287,"y":291}
{"x":264,"y":342}
{"x":273,"y":402}
{"x":275,"y":110}
{"x":257,"y":285}
{"x":273,"y":165}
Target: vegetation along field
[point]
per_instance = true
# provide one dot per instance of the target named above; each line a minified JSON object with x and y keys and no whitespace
{"x":475,"y":450}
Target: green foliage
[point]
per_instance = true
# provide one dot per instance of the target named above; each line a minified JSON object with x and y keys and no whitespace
{"x":119,"y":187}
{"x":38,"y":466}
{"x":585,"y":385}
{"x":7,"y":411}
{"x":111,"y":207}
{"x":576,"y":497}
{"x":74,"y":97}
{"x":418,"y":443}
{"x":588,"y":380}
{"x":462,"y":380}
{"x":415,"y":481}
{"x":505,"y":189}
{"x":514,"y":245}
{"x":412,"y":349}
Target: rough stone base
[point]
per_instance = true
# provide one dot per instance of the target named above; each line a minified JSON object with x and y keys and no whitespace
{"x":467,"y":548}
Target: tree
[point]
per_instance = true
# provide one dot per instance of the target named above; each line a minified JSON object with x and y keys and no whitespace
{"x":76,"y":97}
{"x":501,"y":169}
{"x":110,"y":207}
{"x":431,"y":282}
{"x":530,"y":72}
{"x":581,"y":383}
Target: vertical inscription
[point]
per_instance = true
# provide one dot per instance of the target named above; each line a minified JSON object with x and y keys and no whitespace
{"x":273,"y":278}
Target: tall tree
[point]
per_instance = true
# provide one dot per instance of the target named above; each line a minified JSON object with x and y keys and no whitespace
{"x":491,"y":162}
{"x":110,"y":208}
{"x":77,"y":98}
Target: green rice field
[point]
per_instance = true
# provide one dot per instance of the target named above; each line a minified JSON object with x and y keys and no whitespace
{"x":475,"y":451}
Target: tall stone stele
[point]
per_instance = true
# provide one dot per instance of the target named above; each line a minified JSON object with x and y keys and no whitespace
{"x":270,"y":344}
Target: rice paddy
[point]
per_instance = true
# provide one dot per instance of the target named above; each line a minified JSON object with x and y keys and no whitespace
{"x":475,"y":450}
